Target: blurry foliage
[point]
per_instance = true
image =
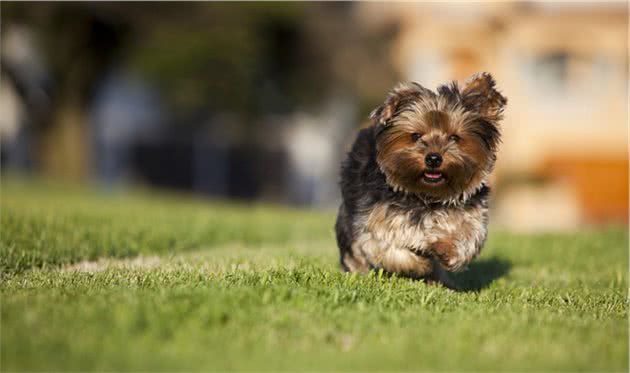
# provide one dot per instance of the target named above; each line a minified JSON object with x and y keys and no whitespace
{"x":246,"y":59}
{"x":215,"y":57}
{"x":180,"y":60}
{"x":78,"y":42}
{"x":250,"y":58}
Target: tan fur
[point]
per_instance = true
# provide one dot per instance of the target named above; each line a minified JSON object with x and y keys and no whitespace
{"x":389,"y":239}
{"x":402,"y":161}
{"x":480,"y":91}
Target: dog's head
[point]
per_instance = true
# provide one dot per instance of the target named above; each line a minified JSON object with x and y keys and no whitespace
{"x":440,"y":144}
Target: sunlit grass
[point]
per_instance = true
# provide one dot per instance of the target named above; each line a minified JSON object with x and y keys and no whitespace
{"x":218,"y":286}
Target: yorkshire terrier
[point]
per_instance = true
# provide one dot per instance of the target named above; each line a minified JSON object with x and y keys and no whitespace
{"x":414,"y":185}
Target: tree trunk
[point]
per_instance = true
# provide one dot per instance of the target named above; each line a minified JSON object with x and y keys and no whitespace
{"x":64,"y":144}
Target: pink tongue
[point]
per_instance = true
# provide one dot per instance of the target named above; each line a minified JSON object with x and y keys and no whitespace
{"x":432,"y":176}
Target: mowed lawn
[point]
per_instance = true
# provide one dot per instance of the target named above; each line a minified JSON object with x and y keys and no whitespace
{"x":146,"y":282}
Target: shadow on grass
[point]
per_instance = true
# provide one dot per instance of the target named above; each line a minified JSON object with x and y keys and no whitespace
{"x":481,"y":274}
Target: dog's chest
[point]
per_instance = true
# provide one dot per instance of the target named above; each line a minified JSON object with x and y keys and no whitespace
{"x":390,"y":227}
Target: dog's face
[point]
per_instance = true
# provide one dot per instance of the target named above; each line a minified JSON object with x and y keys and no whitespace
{"x":439,"y":144}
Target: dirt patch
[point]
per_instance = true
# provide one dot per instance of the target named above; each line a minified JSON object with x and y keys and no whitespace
{"x":102,"y":264}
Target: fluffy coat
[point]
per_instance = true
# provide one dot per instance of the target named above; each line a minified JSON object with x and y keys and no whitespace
{"x":404,"y":213}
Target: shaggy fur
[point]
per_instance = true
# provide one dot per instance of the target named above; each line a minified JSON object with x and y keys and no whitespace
{"x":414,"y":184}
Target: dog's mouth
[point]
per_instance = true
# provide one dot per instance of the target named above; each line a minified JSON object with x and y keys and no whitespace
{"x":432,"y":177}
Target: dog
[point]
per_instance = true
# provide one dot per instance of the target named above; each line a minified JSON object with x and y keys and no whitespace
{"x":414,"y":184}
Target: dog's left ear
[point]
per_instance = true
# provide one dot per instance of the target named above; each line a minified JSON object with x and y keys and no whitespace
{"x":399,"y":97}
{"x":479,"y":94}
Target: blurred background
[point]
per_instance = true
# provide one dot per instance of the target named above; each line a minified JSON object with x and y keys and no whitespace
{"x":260,"y":101}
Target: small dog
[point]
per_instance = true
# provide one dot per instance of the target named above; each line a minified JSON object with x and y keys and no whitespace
{"x":414,"y":184}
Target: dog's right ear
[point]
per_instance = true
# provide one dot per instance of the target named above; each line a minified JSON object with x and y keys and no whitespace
{"x":480,"y":95}
{"x":397,"y":99}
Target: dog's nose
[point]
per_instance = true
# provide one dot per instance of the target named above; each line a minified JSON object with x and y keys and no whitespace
{"x":433,"y":160}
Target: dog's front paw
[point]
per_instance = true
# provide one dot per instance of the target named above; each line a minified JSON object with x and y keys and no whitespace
{"x":447,"y":254}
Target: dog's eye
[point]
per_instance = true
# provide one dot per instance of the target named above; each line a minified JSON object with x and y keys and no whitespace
{"x":454,"y":138}
{"x":415,"y":136}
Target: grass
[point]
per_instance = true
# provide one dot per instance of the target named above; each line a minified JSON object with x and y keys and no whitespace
{"x":219,"y":286}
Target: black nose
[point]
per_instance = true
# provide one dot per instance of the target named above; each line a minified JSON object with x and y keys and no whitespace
{"x":433,"y":160}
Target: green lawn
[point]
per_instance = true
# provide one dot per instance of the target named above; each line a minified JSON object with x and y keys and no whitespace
{"x":147,"y":282}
